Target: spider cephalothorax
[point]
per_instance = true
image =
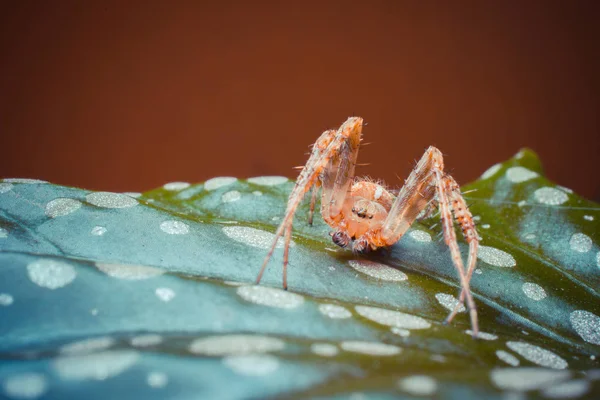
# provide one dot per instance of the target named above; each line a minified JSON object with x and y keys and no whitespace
{"x":362,"y":216}
{"x":366,"y":216}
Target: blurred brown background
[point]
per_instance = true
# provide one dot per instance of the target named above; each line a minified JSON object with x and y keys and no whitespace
{"x":129,"y":95}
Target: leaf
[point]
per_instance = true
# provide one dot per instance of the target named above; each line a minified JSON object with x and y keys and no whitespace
{"x":103,"y":294}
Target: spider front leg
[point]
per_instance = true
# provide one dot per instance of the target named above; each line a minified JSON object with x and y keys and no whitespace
{"x":428,"y":184}
{"x":331,"y":162}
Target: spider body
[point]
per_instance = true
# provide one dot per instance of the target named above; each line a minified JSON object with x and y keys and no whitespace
{"x":366,"y":216}
{"x":362,"y":216}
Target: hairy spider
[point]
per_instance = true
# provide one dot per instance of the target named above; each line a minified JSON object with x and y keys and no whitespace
{"x":365,"y":215}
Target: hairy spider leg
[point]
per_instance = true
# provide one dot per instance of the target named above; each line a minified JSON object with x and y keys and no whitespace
{"x":337,"y":178}
{"x":329,"y":146}
{"x":451,"y":242}
{"x":428,"y":183}
{"x":313,"y":202}
{"x":465,"y":219}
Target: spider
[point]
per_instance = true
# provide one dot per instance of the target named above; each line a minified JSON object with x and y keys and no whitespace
{"x":366,"y":216}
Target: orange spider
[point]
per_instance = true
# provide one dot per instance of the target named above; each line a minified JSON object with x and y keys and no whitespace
{"x":366,"y":216}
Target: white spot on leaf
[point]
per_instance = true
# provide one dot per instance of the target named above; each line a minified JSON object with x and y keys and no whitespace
{"x":580,"y":243}
{"x":176,"y":186}
{"x":61,"y":207}
{"x":252,"y":364}
{"x":130,"y":272}
{"x":98,"y":231}
{"x":491,"y":171}
{"x":449,"y":302}
{"x":23,"y":180}
{"x":324,"y":349}
{"x":165,"y":294}
{"x":392,"y":318}
{"x":378,"y":270}
{"x":520,"y":174}
{"x":270,"y":297}
{"x":507,"y":358}
{"x":534,"y":291}
{"x":5,"y":187}
{"x":496,"y":257}
{"x":268,"y":180}
{"x":400,"y":332}
{"x":28,"y":385}
{"x":370,"y":348}
{"x":482,"y":335}
{"x":587,"y":325}
{"x":219,"y":182}
{"x":537,"y":355}
{"x":253,"y":237}
{"x":146,"y":340}
{"x":522,"y":379}
{"x":550,"y":196}
{"x":51,"y":274}
{"x":334,"y":311}
{"x":235,"y":345}
{"x":567,"y":390}
{"x":157,"y":380}
{"x":111,"y":200}
{"x":6,"y":299}
{"x":97,"y":366}
{"x":87,"y":345}
{"x":231,"y":196}
{"x":418,"y":385}
{"x":174,"y":227}
{"x":419,"y":236}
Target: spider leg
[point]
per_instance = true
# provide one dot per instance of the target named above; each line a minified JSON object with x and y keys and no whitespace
{"x":443,"y":183}
{"x":337,"y":178}
{"x":465,"y":219}
{"x":286,"y":252}
{"x":328,"y":153}
{"x":429,"y":211}
{"x":313,"y":202}
{"x":415,"y":196}
{"x":428,"y":184}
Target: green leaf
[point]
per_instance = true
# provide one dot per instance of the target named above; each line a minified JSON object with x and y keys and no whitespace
{"x":108,"y":295}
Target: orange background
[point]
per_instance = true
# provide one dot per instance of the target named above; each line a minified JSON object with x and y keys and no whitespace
{"x":129,"y":95}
